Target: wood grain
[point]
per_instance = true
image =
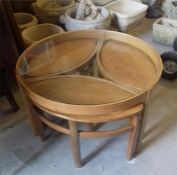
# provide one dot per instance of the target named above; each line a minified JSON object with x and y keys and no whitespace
{"x":129,"y":69}
{"x":70,"y":90}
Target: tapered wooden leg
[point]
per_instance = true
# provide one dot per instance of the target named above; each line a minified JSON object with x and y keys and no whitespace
{"x":74,"y":134}
{"x":31,"y":116}
{"x":30,"y":112}
{"x":133,"y":137}
{"x":36,"y":124}
{"x":141,"y":131}
{"x":143,"y":120}
{"x":40,"y":127}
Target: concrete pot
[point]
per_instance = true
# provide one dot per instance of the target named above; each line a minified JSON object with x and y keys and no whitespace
{"x":165,"y":31}
{"x":72,"y":24}
{"x":172,"y":10}
{"x":35,"y":33}
{"x":48,"y":12}
{"x":25,"y":20}
{"x":165,"y":4}
{"x":126,"y":13}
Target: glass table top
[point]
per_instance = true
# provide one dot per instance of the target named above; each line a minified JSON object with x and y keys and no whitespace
{"x":89,"y":67}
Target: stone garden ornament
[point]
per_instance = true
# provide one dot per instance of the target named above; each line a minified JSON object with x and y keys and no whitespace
{"x":86,"y":15}
{"x":88,"y":11}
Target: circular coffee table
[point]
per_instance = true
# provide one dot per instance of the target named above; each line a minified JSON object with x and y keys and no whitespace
{"x":89,"y":77}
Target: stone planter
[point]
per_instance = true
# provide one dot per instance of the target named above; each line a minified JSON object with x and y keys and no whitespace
{"x":35,"y":33}
{"x":25,"y":20}
{"x":48,"y":11}
{"x":170,"y":8}
{"x":165,"y":31}
{"x":126,"y":13}
{"x":73,"y":24}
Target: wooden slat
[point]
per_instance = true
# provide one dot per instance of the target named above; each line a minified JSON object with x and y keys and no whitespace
{"x":54,"y":126}
{"x":97,"y":118}
{"x":110,"y":133}
{"x":69,"y":89}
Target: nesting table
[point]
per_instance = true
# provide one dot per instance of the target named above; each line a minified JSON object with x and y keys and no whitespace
{"x":89,"y":77}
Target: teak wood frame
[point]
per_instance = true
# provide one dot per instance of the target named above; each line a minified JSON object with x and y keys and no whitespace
{"x":74,"y":114}
{"x":134,"y":115}
{"x":135,"y":127}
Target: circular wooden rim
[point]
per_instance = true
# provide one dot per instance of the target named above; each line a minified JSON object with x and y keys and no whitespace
{"x":81,"y":109}
{"x":88,"y":109}
{"x":66,"y":71}
{"x":136,"y":42}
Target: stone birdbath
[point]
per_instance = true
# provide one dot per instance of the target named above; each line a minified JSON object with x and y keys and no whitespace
{"x":86,"y":16}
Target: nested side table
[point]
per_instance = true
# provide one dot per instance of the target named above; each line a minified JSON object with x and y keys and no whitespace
{"x":89,"y":77}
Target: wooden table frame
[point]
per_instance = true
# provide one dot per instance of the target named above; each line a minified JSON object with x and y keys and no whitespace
{"x":131,"y":108}
{"x":135,"y":129}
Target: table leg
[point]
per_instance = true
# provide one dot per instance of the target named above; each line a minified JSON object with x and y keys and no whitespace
{"x":141,"y":131}
{"x":39,"y":126}
{"x":74,"y":134}
{"x":30,"y":112}
{"x":133,"y":137}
